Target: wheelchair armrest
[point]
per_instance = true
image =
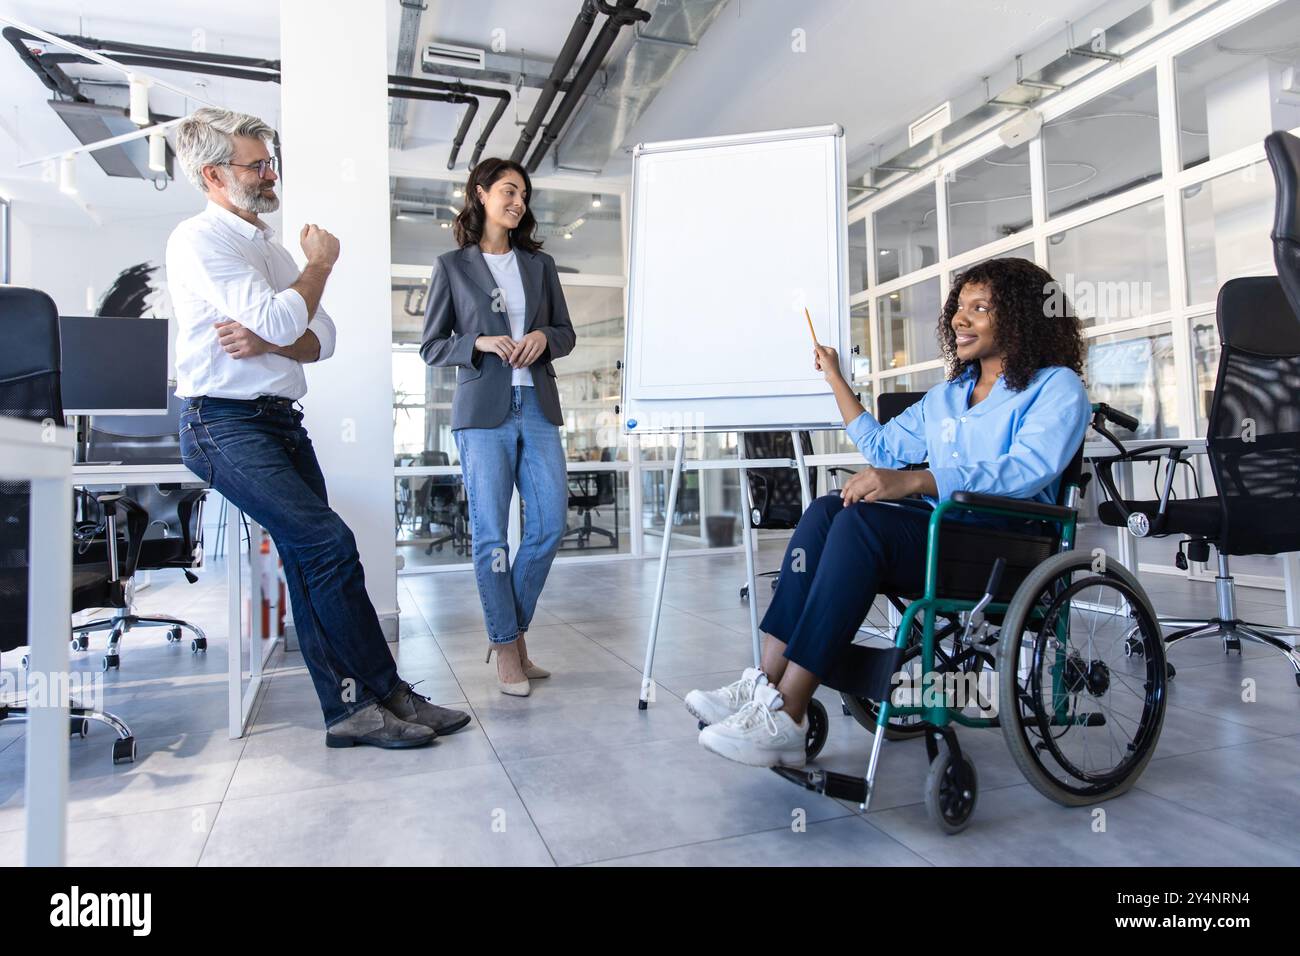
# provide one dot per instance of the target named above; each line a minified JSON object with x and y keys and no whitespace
{"x":974,"y":501}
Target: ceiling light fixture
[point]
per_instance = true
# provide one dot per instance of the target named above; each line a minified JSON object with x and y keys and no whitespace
{"x":68,"y":175}
{"x":595,"y":200}
{"x":139,"y":100}
{"x":158,"y":151}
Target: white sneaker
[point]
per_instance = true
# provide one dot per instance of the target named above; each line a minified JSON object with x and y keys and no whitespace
{"x":759,"y":734}
{"x":715,"y":706}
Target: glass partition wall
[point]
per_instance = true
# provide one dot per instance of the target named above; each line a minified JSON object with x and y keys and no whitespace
{"x":1144,"y":192}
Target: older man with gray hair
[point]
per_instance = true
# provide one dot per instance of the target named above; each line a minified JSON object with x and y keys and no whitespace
{"x":247,"y":320}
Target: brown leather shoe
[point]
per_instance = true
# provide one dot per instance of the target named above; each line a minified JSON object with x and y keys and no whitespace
{"x":376,"y":726}
{"x":406,"y":704}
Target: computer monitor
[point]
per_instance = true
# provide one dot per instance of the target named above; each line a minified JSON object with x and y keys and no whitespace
{"x":113,"y":366}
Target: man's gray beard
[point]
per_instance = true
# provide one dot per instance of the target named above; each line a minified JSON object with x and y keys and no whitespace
{"x":250,"y":199}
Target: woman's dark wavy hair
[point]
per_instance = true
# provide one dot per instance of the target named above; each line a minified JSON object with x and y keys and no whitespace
{"x":468,"y":226}
{"x":1032,"y":321}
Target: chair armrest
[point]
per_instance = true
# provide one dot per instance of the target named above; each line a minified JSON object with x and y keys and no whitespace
{"x":189,"y":513}
{"x":759,"y":492}
{"x":1171,"y":451}
{"x":117,"y":505}
{"x":974,"y":501}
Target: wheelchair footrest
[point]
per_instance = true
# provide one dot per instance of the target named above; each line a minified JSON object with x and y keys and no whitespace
{"x":841,"y":786}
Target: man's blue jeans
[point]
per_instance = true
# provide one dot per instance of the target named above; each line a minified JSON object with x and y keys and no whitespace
{"x":525,"y":450}
{"x":258,"y":456}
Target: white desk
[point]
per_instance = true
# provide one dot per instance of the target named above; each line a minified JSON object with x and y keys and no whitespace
{"x":42,"y":455}
{"x":240,"y":698}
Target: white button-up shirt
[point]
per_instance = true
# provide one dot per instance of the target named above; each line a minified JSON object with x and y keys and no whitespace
{"x":221,"y":267}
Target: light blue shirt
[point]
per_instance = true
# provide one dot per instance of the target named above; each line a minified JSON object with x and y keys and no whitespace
{"x":1013,"y":443}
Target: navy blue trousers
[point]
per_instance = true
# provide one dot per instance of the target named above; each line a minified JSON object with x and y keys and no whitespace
{"x":838,"y":560}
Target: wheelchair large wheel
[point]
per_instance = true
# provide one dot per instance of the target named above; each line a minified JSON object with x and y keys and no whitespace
{"x":1080,"y":715}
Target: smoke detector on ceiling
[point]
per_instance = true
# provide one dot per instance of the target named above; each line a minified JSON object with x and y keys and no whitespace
{"x":1021,"y":129}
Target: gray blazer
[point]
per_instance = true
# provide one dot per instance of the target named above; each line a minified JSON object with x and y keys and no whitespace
{"x":459,"y":309}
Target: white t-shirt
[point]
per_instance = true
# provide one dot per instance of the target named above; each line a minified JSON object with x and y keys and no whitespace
{"x":505,"y":270}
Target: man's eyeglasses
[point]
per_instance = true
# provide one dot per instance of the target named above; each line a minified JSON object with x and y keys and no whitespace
{"x":262,"y":165}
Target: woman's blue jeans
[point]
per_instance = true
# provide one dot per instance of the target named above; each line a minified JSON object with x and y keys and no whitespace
{"x":523,"y":450}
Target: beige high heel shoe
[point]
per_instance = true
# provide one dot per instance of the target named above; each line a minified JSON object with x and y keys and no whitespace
{"x":519,"y":689}
{"x":532,"y":671}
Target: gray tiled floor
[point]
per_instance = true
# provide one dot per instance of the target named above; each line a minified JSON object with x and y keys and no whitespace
{"x":576,"y":774}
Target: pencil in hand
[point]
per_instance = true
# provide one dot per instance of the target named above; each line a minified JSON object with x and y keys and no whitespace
{"x":810,"y":326}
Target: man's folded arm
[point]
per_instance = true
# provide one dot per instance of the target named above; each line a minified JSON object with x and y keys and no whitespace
{"x":230,"y":284}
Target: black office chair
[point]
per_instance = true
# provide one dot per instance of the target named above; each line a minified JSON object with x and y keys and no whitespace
{"x":590,"y":491}
{"x":173,"y":535}
{"x":1283,"y":151}
{"x":1254,"y":452}
{"x":775,"y":495}
{"x":442,"y":503}
{"x":29,"y":389}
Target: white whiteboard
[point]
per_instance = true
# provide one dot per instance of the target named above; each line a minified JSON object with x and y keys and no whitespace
{"x":731,"y":238}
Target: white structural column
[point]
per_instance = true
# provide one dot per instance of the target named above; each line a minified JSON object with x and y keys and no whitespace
{"x":334,"y":131}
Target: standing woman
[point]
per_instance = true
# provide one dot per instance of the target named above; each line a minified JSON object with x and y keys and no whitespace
{"x":496,"y":312}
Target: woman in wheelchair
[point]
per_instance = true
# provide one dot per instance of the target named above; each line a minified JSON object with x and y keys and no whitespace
{"x":1007,"y":421}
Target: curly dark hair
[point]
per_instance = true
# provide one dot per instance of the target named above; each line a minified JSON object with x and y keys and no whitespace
{"x":1033,"y":323}
{"x":468,"y":226}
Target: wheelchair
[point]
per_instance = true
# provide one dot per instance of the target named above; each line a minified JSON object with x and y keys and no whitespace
{"x":1060,"y":649}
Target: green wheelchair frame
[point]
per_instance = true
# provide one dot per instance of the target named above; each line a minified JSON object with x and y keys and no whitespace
{"x":951,"y":785}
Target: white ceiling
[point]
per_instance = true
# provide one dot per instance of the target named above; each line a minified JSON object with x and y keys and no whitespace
{"x":30,"y":129}
{"x":869,"y":65}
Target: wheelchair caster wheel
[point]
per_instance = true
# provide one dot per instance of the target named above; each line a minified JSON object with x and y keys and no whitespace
{"x":845,"y":709}
{"x":198,"y":644}
{"x":174,"y":635}
{"x":81,"y":642}
{"x":26,"y":662}
{"x":744,"y":593}
{"x":111,"y":662}
{"x":949,"y":802}
{"x":80,"y":727}
{"x":1132,"y":646}
{"x":1169,"y":671}
{"x":124,"y":750}
{"x":818,"y":725}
